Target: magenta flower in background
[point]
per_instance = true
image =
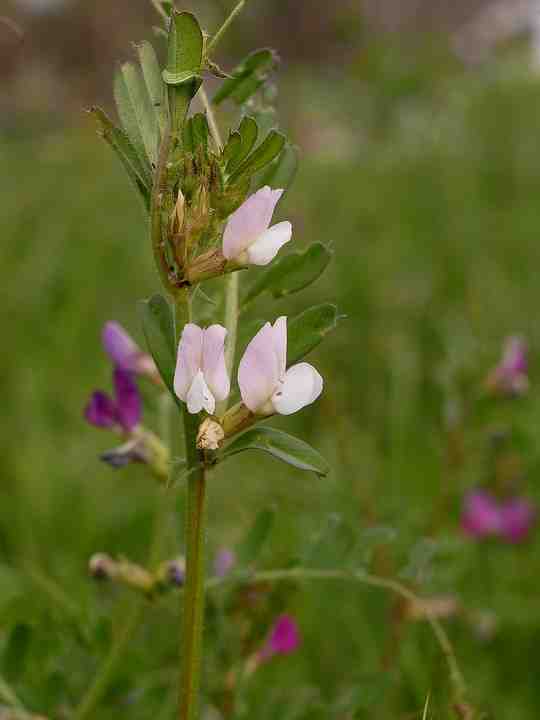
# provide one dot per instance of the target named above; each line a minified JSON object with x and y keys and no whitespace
{"x":125,"y":353}
{"x":224,"y":562}
{"x":284,"y":639}
{"x":123,"y":412}
{"x":248,"y":238}
{"x":266,"y":385}
{"x":486,"y":516}
{"x":201,"y":375}
{"x":510,"y":377}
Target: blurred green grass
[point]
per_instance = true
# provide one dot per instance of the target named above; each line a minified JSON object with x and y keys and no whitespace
{"x":425,"y":180}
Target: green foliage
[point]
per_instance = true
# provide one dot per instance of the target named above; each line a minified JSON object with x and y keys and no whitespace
{"x":307,"y":330}
{"x":291,"y":273}
{"x":428,"y":188}
{"x":158,"y":326}
{"x":247,"y":77}
{"x":280,"y":445}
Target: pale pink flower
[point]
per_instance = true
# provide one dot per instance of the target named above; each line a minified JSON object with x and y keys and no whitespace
{"x":266,"y":386}
{"x":248,"y":238}
{"x":201,"y":376}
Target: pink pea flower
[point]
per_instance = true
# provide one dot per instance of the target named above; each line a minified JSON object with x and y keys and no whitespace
{"x":224,"y":562}
{"x":121,"y":412}
{"x":201,"y":376}
{"x":248,"y":238}
{"x":284,"y":639}
{"x":485,"y":516}
{"x":266,"y":386}
{"x":509,"y":377}
{"x":125,"y":353}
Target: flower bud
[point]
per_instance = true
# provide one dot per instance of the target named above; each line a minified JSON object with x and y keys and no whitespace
{"x":102,"y":567}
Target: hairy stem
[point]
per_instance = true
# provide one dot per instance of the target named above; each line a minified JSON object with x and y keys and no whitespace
{"x":223,"y":29}
{"x":193,"y":617}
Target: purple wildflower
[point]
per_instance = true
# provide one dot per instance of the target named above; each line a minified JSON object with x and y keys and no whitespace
{"x":485,"y":516}
{"x":284,"y":639}
{"x":125,"y":353}
{"x":123,"y":412}
{"x":509,"y":377}
{"x":224,"y":562}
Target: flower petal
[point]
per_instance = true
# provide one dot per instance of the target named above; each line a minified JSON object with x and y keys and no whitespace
{"x":285,"y":636}
{"x":128,"y":400}
{"x":481,"y":515}
{"x":266,"y":246}
{"x":259,"y":371}
{"x":279,"y":329}
{"x":248,"y":222}
{"x":517,"y":517}
{"x":302,"y":386}
{"x":189,"y":359}
{"x":200,"y":396}
{"x":119,"y":346}
{"x":100,"y":410}
{"x":213,"y":361}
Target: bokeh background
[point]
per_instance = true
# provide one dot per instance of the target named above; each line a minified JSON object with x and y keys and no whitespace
{"x":419,"y":130}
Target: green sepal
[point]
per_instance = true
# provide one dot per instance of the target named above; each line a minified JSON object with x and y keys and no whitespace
{"x":247,"y":77}
{"x":158,"y":327}
{"x":291,"y":273}
{"x":136,"y":112}
{"x":307,"y":330}
{"x":120,"y":143}
{"x":262,"y":156}
{"x":249,"y":549}
{"x":281,"y":445}
{"x":248,"y":132}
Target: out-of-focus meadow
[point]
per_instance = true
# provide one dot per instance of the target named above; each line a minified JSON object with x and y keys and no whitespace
{"x":423,"y":174}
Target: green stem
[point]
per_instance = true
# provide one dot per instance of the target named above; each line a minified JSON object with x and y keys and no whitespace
{"x":194,"y":588}
{"x":223,"y":29}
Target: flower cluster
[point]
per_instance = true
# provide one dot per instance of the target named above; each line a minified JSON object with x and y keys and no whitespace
{"x":266,"y":385}
{"x":122,"y":412}
{"x":484,"y":515}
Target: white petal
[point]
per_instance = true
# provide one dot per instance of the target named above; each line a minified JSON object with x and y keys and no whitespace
{"x":189,"y":359}
{"x":266,"y":246}
{"x":248,"y":222}
{"x":213,"y":361}
{"x":280,"y":344}
{"x":200,"y":396}
{"x":259,"y":371}
{"x":301,"y":387}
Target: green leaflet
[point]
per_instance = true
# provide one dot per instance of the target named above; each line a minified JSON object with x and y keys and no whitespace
{"x":158,"y":327}
{"x":154,"y":83}
{"x":307,"y":330}
{"x":184,"y":59}
{"x":291,"y":273}
{"x":267,"y":151}
{"x":136,"y":113}
{"x":248,"y":132}
{"x":248,"y":77}
{"x":281,"y":445}
{"x":282,"y":171}
{"x":122,"y":146}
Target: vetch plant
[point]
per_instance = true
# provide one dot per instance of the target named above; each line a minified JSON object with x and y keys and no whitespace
{"x":211,"y":207}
